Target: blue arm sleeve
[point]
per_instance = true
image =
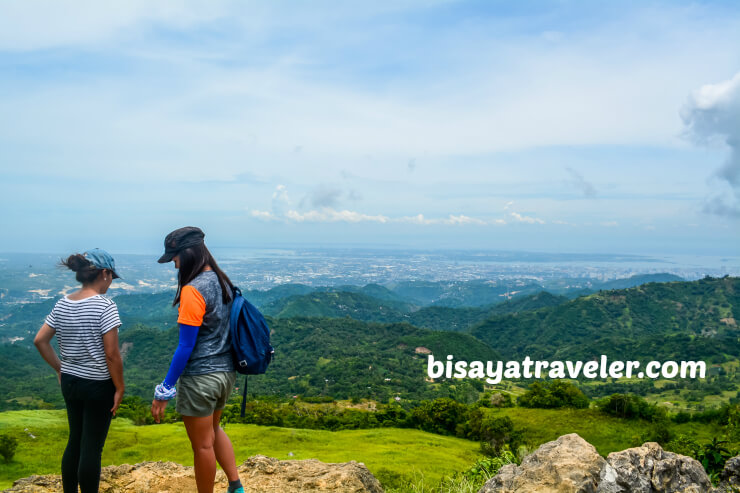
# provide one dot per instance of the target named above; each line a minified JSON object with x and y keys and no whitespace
{"x":188,"y":334}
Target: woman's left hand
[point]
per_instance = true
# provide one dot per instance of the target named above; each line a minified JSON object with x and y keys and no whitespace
{"x":158,"y":409}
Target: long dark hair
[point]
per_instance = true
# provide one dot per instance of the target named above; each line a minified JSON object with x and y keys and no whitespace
{"x":85,"y":271}
{"x":192,"y":262}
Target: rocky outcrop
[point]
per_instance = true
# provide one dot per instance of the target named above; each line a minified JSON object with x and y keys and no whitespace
{"x":572,"y":465}
{"x":649,"y":469}
{"x":265,"y":474}
{"x":568,"y":464}
{"x":730,"y":476}
{"x":258,"y":474}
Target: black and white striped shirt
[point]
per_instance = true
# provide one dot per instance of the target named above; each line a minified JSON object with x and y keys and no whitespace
{"x":79,"y":327}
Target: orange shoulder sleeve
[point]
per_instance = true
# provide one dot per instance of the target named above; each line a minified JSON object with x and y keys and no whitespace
{"x":192,"y":307}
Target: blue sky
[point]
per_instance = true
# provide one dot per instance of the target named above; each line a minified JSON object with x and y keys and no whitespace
{"x":551,"y":126}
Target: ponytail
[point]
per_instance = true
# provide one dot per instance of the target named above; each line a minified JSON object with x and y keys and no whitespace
{"x":85,"y":271}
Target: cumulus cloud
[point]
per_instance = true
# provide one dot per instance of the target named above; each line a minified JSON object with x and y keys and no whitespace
{"x":280,"y":200}
{"x":526,"y":219}
{"x":711,"y":116}
{"x":330,"y":215}
{"x":451,"y":219}
{"x":461,"y":219}
{"x":579,"y":182}
{"x":264,"y":215}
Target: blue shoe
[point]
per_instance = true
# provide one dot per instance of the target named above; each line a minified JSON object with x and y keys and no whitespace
{"x":238,"y":490}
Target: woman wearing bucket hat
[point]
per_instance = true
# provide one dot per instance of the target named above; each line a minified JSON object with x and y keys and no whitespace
{"x":90,"y":369}
{"x":202,"y":361}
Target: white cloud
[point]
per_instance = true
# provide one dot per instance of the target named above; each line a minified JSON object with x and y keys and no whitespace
{"x":417,"y":219}
{"x":202,"y":96}
{"x":264,"y":215}
{"x":281,"y":194}
{"x":462,"y":219}
{"x":451,"y":220}
{"x":280,"y":200}
{"x":328,"y":214}
{"x":526,"y":219}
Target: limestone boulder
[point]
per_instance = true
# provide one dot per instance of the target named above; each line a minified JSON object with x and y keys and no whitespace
{"x":567,"y":465}
{"x":730,"y":476}
{"x":650,"y":469}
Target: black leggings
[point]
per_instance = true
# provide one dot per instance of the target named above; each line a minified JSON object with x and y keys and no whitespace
{"x":88,"y":411}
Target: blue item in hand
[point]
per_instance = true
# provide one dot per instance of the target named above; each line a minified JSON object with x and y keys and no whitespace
{"x":162,"y":393}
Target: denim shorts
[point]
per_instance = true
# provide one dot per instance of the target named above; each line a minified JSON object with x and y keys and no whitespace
{"x":202,"y":395}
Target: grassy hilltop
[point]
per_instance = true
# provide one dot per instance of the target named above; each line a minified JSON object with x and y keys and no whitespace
{"x":388,"y":453}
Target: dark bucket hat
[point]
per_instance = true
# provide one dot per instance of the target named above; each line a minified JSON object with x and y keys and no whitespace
{"x":181,"y":239}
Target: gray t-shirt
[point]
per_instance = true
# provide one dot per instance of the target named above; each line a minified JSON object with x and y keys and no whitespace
{"x":212,"y":350}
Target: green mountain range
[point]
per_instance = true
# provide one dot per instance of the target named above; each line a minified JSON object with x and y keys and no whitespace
{"x":336,"y":354}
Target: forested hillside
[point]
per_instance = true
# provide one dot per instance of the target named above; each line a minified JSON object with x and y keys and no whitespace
{"x":342,"y":357}
{"x":662,"y":321}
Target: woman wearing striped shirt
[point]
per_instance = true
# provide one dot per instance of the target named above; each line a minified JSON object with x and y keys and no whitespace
{"x":89,"y":369}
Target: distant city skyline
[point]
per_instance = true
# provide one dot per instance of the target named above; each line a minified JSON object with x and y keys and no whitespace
{"x":570,"y":127}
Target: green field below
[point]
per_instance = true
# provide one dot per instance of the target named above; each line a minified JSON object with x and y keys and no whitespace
{"x":387,"y":452}
{"x":606,"y":433}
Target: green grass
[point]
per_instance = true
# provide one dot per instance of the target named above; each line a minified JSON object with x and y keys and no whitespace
{"x":391,"y":454}
{"x":606,"y":433}
{"x":395,"y":456}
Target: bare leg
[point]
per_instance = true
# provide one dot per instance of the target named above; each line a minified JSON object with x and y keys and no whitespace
{"x":223,"y":449}
{"x":202,"y":438}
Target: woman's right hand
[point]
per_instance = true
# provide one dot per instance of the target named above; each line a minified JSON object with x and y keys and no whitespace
{"x":117,"y":398}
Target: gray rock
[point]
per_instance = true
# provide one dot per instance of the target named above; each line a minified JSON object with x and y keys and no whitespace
{"x":650,"y":469}
{"x":567,"y":465}
{"x":570,"y":464}
{"x":730,"y":476}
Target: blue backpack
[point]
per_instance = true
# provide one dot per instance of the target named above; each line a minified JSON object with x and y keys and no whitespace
{"x":250,"y":340}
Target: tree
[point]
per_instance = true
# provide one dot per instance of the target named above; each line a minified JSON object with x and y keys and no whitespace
{"x":8,"y":444}
{"x":442,"y":415}
{"x":554,"y":394}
